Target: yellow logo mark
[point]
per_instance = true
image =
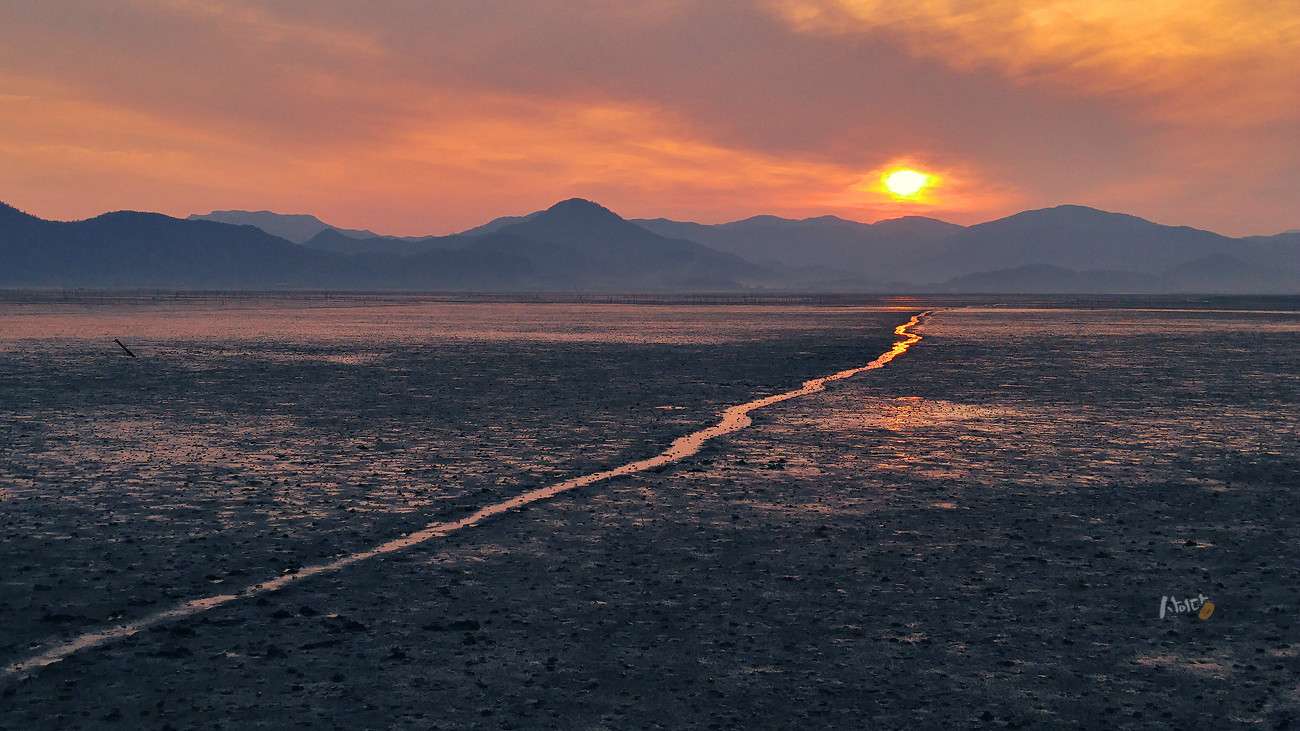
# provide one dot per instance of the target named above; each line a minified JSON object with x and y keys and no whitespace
{"x":1206,"y":610}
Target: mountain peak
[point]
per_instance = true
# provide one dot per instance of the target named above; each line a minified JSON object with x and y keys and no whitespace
{"x":1074,"y":214}
{"x":581,"y":208}
{"x":574,"y":220}
{"x":295,"y":227}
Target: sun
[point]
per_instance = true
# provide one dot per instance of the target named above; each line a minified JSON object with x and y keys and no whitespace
{"x":905,"y":183}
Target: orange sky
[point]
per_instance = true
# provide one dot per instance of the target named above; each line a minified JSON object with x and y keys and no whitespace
{"x":431,"y":117}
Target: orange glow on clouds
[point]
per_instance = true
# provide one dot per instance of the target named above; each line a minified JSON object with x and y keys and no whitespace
{"x":945,"y":192}
{"x":639,"y":160}
{"x":1213,"y":84}
{"x":1172,"y":54}
{"x":474,"y":155}
{"x":419,"y":118}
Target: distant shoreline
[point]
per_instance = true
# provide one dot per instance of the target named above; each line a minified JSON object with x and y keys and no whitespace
{"x":340,"y":298}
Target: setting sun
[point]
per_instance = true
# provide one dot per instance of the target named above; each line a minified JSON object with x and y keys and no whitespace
{"x":905,"y":183}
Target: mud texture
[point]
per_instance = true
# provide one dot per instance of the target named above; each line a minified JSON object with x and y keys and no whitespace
{"x":978,"y":535}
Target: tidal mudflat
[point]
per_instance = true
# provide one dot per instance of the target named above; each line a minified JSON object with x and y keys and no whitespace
{"x":980,"y":533}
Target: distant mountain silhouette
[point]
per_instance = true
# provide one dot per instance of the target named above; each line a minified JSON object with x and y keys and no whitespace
{"x":1074,"y":237}
{"x":497,"y":224}
{"x":350,"y":244}
{"x":574,"y":244}
{"x":1223,"y":274}
{"x":1062,"y":249}
{"x":294,"y":227}
{"x":631,"y":254}
{"x":1213,"y":274}
{"x":1048,"y":279}
{"x":1283,"y":249}
{"x":577,"y":244}
{"x":1110,"y":252}
{"x":132,"y":249}
{"x":880,"y":251}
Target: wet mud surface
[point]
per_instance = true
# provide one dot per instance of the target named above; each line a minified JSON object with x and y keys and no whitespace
{"x":979,"y":534}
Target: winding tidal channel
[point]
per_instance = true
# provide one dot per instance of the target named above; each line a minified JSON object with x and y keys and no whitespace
{"x":733,"y":419}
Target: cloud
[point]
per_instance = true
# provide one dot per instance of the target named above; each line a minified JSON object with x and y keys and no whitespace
{"x":1229,"y":62}
{"x":467,"y":155}
{"x":255,"y":23}
{"x":467,"y":148}
{"x":420,"y":117}
{"x":1204,"y":94}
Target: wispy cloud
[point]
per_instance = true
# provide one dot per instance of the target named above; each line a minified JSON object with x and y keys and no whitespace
{"x":427,"y":116}
{"x":1228,"y":61}
{"x":255,"y":22}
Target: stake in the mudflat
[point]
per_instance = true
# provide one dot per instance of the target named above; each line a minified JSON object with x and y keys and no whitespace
{"x":123,"y":347}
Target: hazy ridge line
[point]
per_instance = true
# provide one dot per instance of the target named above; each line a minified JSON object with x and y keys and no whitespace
{"x":733,"y":419}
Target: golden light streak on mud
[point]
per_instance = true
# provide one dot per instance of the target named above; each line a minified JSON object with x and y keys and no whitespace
{"x":733,"y":419}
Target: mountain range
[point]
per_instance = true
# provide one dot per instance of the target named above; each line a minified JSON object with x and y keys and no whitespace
{"x":580,"y":245}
